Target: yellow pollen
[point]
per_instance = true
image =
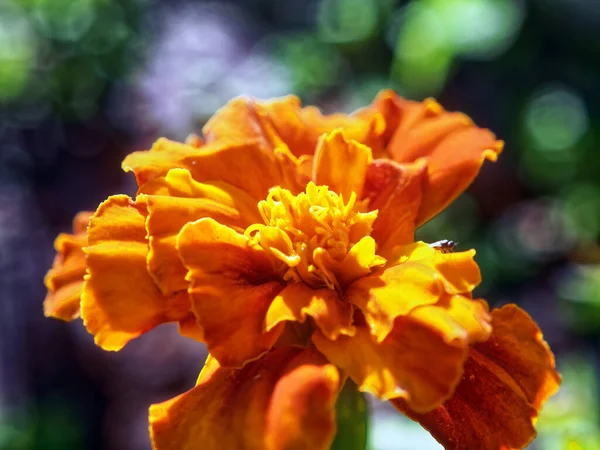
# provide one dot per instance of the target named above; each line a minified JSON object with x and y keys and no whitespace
{"x":312,"y":232}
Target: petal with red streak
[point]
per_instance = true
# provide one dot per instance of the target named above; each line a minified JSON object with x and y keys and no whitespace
{"x":395,"y":190}
{"x":506,"y":380}
{"x":401,"y":366}
{"x":120,"y":300}
{"x":232,"y":284}
{"x":285,"y":400}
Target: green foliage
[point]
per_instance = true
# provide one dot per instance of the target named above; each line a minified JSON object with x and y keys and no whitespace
{"x":344,"y":21}
{"x":580,"y":293}
{"x":66,"y":53}
{"x":570,"y":420}
{"x":52,"y":426}
{"x":352,"y":419}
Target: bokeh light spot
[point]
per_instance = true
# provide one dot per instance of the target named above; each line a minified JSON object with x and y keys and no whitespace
{"x":568,"y":421}
{"x":65,"y":20}
{"x":428,"y":35}
{"x":556,"y":119}
{"x":17,"y":51}
{"x":422,"y":51}
{"x":554,"y":124}
{"x":341,"y":21}
{"x":482,"y":29}
{"x":582,"y":210}
{"x":312,"y":65}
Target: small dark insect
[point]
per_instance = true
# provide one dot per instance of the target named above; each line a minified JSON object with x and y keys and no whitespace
{"x":444,"y":246}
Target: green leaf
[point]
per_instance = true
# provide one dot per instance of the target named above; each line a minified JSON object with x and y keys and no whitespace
{"x":352,"y":419}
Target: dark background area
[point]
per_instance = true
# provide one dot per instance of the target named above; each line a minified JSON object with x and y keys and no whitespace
{"x":84,"y":83}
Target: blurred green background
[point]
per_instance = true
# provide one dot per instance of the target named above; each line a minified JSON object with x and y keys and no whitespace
{"x":82,"y":83}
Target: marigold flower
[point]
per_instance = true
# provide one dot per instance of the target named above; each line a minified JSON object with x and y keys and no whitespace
{"x":285,"y":242}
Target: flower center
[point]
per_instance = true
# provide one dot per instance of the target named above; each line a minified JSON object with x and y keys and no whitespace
{"x":316,"y":234}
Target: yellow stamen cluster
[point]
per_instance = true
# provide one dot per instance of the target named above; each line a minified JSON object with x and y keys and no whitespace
{"x":312,"y":232}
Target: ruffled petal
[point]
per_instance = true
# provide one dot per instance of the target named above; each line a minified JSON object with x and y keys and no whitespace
{"x":456,"y":317}
{"x":232,"y":163}
{"x":422,"y":277}
{"x":506,"y":380}
{"x":180,"y":183}
{"x":395,"y":190}
{"x":285,"y":400}
{"x":413,"y":362}
{"x":297,"y":301}
{"x":341,"y":164}
{"x":232,"y":284}
{"x":453,"y":146}
{"x":364,"y":127}
{"x":162,"y":157}
{"x":65,"y":279}
{"x":460,"y":273}
{"x":120,"y":300}
{"x":518,"y":347}
{"x":284,"y":123}
{"x":244,"y":119}
{"x":359,"y":262}
{"x":177,"y":199}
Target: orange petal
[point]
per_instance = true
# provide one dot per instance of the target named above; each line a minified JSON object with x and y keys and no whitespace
{"x":194,"y":140}
{"x":460,"y":273}
{"x":234,"y":163}
{"x":65,"y":279}
{"x":452,"y":168}
{"x":178,"y":200}
{"x":179,"y":183}
{"x":188,"y":327}
{"x":162,"y":157}
{"x":390,"y":106}
{"x":209,"y":248}
{"x":282,"y":125}
{"x":341,"y":164}
{"x":454,"y":147}
{"x":413,"y":362}
{"x":395,"y":191}
{"x":505,"y":382}
{"x":422,"y":277}
{"x":300,"y":128}
{"x":456,"y":317}
{"x":233,"y":282}
{"x":363,"y":126}
{"x":393,"y":292}
{"x":285,"y":400}
{"x":518,"y":347}
{"x":358,"y":262}
{"x":244,"y":119}
{"x":120,"y":300}
{"x":81,"y":221}
{"x":296,"y":301}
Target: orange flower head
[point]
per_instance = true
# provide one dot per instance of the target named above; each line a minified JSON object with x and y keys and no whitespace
{"x":285,"y":243}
